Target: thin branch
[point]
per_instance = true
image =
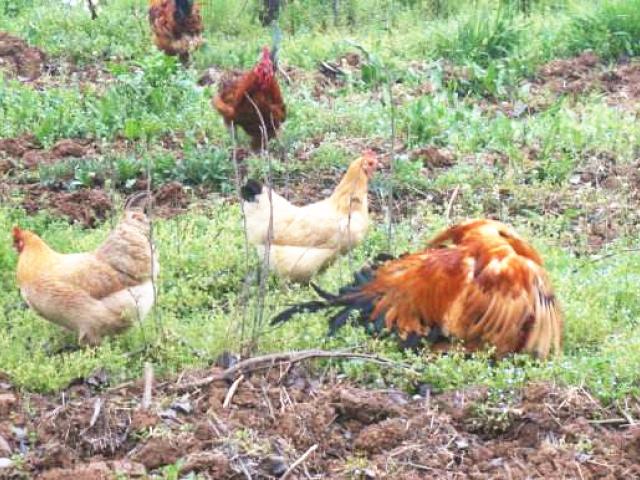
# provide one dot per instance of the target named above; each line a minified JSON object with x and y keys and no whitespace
{"x":295,"y":464}
{"x":392,"y":107}
{"x":245,"y":285}
{"x":270,"y":360}
{"x":148,"y":385}
{"x":156,"y":314}
{"x":613,"y":254}
{"x":267,"y":251}
{"x":454,"y":195}
{"x":611,"y":421}
{"x":232,"y":392}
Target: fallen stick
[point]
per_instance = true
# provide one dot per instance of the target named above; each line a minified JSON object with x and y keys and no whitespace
{"x":97,"y":407}
{"x":148,"y":385}
{"x":268,"y":361}
{"x":610,"y":421}
{"x":295,"y":464}
{"x":231,"y":392}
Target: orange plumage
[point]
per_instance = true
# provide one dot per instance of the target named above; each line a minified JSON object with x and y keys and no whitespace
{"x":478,"y":282}
{"x":176,"y":26}
{"x":96,"y":293}
{"x":253,"y":101}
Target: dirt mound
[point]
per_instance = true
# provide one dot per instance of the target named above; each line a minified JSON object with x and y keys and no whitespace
{"x":86,"y":207}
{"x":26,"y":151}
{"x":586,"y":73}
{"x":170,"y":199}
{"x":260,"y":429}
{"x":18,"y":59}
{"x":91,"y":206}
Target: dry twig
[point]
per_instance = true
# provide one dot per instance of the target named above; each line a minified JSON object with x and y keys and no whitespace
{"x":295,"y":464}
{"x":148,"y":385}
{"x":268,"y":361}
{"x":454,"y":194}
{"x":232,"y":392}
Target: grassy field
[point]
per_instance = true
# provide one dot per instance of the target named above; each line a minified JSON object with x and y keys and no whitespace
{"x":466,"y":78}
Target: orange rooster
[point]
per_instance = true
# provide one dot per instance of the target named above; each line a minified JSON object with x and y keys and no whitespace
{"x":176,"y":26}
{"x":96,"y":293}
{"x":478,"y":282}
{"x":306,"y":238}
{"x":253,"y":101}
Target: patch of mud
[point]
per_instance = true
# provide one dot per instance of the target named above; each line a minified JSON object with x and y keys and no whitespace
{"x":91,"y":206}
{"x":171,"y":199}
{"x":87,"y":207}
{"x":90,"y":77}
{"x":271,"y":421}
{"x":27,"y":152}
{"x":587,"y":73}
{"x":18,"y":59}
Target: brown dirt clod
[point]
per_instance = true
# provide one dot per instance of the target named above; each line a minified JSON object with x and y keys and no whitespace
{"x":20,"y":60}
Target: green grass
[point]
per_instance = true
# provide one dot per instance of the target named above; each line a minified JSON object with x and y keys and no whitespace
{"x":203,"y":307}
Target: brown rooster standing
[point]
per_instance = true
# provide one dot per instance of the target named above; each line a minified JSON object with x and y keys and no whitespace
{"x":253,"y":101}
{"x":176,"y":26}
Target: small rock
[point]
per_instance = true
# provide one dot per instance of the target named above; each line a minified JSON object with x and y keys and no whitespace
{"x":583,"y":457}
{"x":365,"y":473}
{"x":275,"y":465}
{"x":169,"y":414}
{"x":575,"y":180}
{"x":21,"y":436}
{"x":5,"y":463}
{"x":182,"y":406}
{"x":98,"y":378}
{"x":425,"y":389}
{"x":462,"y":444}
{"x":227,"y":360}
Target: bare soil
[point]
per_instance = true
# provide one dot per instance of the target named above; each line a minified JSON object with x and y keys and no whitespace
{"x":587,"y":73}
{"x":18,"y":59}
{"x":26,"y":151}
{"x":88,"y":206}
{"x":272,"y":420}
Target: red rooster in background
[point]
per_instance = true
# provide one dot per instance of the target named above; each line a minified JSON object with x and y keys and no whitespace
{"x":177,"y":26}
{"x":478,"y":282}
{"x":253,"y":101}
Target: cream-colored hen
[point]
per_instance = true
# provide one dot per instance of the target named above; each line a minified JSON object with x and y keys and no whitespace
{"x":307,"y":238}
{"x":96,"y":293}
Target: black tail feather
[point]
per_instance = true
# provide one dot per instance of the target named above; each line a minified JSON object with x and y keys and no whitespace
{"x":183,"y":10}
{"x":250,"y":190}
{"x":339,"y":320}
{"x":350,"y":298}
{"x":323,"y":293}
{"x":307,"y":307}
